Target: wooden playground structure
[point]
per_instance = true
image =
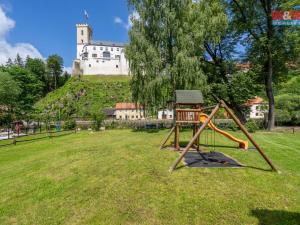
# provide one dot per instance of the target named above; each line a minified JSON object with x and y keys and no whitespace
{"x":190,"y":111}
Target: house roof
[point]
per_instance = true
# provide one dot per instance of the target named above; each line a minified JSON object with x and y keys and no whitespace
{"x":108,"y":43}
{"x":243,"y":66}
{"x":189,"y":97}
{"x":127,"y":105}
{"x":254,"y":101}
{"x":109,"y":111}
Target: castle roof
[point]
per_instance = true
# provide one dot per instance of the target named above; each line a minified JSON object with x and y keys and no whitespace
{"x":108,"y":43}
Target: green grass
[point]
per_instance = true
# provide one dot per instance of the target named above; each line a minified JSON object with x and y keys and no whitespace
{"x":95,"y":93}
{"x":121,"y":177}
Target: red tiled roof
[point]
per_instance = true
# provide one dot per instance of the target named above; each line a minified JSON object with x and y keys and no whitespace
{"x":243,"y":66}
{"x":254,"y":101}
{"x":127,"y":105}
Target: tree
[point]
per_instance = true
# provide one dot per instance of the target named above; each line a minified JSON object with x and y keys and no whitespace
{"x":9,"y":93}
{"x":9,"y":90}
{"x":31,"y":88}
{"x":9,"y":62}
{"x":265,"y":43}
{"x":55,"y":69}
{"x":38,"y":68}
{"x":165,"y":51}
{"x":19,"y":61}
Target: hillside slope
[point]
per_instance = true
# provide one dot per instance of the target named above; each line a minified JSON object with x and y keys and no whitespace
{"x":82,"y":97}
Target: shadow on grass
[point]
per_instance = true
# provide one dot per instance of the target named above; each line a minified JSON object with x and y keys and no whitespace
{"x":276,"y":217}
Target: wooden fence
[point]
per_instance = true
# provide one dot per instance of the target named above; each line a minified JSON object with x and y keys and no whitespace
{"x":14,"y":140}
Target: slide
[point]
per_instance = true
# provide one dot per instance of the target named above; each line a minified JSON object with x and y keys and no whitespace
{"x":242,"y":144}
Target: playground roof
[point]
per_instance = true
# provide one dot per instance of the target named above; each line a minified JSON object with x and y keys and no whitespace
{"x":189,"y":97}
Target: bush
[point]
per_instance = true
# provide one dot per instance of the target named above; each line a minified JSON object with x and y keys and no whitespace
{"x":97,"y":120}
{"x":252,"y":126}
{"x":69,"y":124}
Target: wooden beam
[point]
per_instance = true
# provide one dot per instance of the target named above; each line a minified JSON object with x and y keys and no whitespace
{"x":187,"y":148}
{"x":223,"y":104}
{"x":167,"y":138}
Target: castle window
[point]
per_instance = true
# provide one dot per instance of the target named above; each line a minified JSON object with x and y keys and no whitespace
{"x":117,"y":66}
{"x":82,"y":41}
{"x":97,"y":61}
{"x":106,"y":54}
{"x":90,"y":65}
{"x":106,"y":49}
{"x":112,"y":49}
{"x":118,"y":56}
{"x":94,"y":55}
{"x":117,"y":49}
{"x":101,"y":48}
{"x":82,"y":32}
{"x":94,"y":48}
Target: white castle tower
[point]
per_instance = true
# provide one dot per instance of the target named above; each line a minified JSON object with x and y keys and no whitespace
{"x":98,"y":57}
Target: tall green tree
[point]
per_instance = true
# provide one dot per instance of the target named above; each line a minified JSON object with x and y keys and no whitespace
{"x":9,"y":90}
{"x":265,"y":43}
{"x":31,"y":88}
{"x":166,"y":47}
{"x":54,"y":69}
{"x":38,"y":68}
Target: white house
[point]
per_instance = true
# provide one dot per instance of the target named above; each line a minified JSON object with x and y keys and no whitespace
{"x":165,"y":114}
{"x":129,"y":111}
{"x":98,"y":57}
{"x":257,"y":108}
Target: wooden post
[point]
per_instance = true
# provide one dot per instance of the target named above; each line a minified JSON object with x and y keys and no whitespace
{"x":187,"y":148}
{"x":167,"y":138}
{"x":223,"y":104}
{"x":177,"y":137}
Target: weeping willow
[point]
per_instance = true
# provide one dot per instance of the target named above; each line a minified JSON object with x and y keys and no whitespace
{"x":165,"y":51}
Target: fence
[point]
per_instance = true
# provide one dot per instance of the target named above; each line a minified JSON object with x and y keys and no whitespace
{"x":13,"y":140}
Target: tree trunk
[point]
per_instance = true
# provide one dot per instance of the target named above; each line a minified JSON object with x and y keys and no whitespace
{"x":269,"y":70}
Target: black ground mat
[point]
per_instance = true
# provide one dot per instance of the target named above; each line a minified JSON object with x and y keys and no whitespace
{"x":209,"y":159}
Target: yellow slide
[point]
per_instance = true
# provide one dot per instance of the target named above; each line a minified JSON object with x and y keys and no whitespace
{"x":242,"y":144}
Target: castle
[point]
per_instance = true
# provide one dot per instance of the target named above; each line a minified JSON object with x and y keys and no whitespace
{"x":98,"y":57}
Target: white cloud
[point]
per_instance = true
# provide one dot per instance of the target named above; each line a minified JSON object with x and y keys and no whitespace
{"x":127,"y":25}
{"x":118,"y":20}
{"x":8,"y":50}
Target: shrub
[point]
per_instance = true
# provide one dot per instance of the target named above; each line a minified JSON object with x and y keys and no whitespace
{"x":69,"y":124}
{"x":97,"y":120}
{"x":252,"y":126}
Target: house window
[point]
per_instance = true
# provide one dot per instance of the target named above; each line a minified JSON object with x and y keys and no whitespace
{"x":132,"y":117}
{"x":256,"y":114}
{"x":117,"y":49}
{"x":97,"y":61}
{"x":101,"y":48}
{"x":106,"y":54}
{"x":120,"y":117}
{"x":90,"y":65}
{"x":117,"y":66}
{"x":94,"y":48}
{"x":137,"y":117}
{"x":117,"y":56}
{"x":106,"y":49}
{"x":94,"y":55}
{"x":170,"y":116}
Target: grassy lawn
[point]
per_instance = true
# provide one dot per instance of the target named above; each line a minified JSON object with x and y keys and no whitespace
{"x":121,"y":177}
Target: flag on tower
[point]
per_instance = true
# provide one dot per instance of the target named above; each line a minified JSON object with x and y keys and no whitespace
{"x":86,"y":14}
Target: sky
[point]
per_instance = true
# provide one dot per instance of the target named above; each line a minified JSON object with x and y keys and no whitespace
{"x":40,"y":28}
